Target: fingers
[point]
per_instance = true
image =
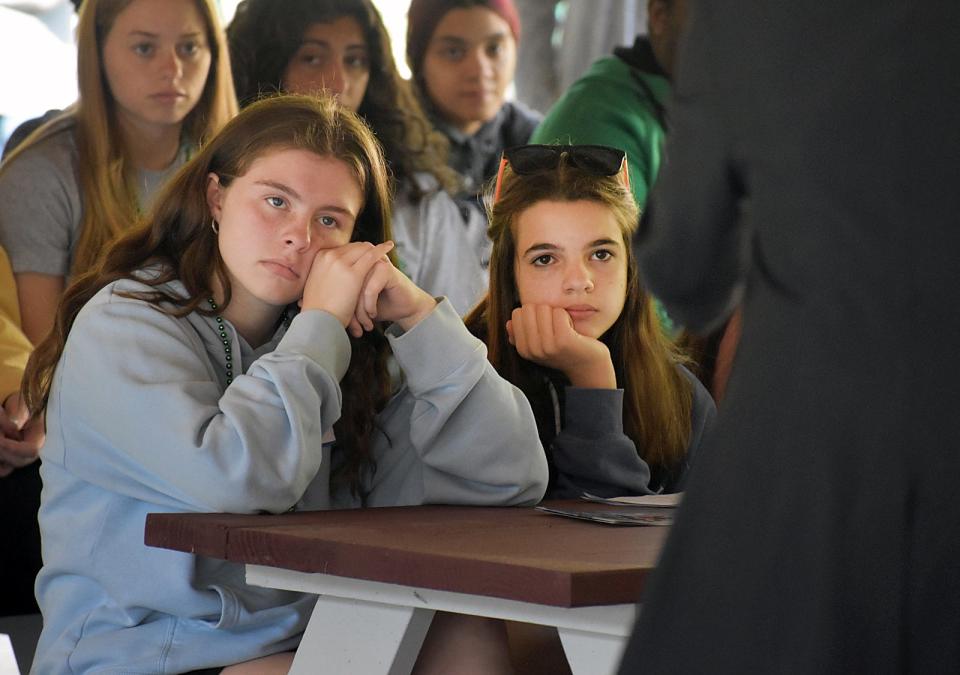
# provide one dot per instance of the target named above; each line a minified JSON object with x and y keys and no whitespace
{"x":7,"y":426}
{"x":357,"y":253}
{"x":354,"y":327}
{"x":18,"y":453}
{"x":377,"y":279}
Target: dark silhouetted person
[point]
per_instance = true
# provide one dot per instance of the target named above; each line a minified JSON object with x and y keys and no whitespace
{"x":812,"y":173}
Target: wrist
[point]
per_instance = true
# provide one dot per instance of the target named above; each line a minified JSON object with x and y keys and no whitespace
{"x":423,"y":309}
{"x":599,"y":375}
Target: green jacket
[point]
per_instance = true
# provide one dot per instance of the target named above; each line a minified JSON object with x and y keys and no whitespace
{"x":610,"y":106}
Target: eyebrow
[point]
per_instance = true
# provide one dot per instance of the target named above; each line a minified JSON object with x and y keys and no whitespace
{"x":324,"y":43}
{"x":545,"y":246}
{"x":459,"y":41}
{"x":148,"y":34}
{"x":281,"y":187}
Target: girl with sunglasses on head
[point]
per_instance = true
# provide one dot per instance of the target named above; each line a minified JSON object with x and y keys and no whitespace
{"x":567,"y":320}
{"x":341,"y":47}
{"x":181,"y":377}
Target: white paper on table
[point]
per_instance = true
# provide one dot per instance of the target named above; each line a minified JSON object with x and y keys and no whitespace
{"x":660,"y":501}
{"x":8,"y":661}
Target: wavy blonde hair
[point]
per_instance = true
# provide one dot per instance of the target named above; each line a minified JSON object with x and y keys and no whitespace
{"x":657,"y":395}
{"x":106,"y":176}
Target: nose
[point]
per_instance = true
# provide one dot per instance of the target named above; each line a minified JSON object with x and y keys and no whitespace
{"x":334,"y":80}
{"x":170,"y":64}
{"x":477,"y":65}
{"x":298,"y":236}
{"x":577,"y":279}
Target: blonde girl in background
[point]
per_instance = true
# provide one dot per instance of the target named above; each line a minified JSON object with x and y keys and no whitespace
{"x":154,"y":81}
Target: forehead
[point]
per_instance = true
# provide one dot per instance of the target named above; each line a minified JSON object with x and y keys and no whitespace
{"x":160,"y":16}
{"x":565,"y":224}
{"x":470,"y":24}
{"x":314,"y":177}
{"x":341,"y":30}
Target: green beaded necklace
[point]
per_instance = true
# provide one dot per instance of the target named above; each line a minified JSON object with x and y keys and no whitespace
{"x":227,"y":352}
{"x":224,"y":339}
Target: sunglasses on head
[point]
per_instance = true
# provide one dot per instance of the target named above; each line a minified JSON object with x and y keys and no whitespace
{"x":597,"y":160}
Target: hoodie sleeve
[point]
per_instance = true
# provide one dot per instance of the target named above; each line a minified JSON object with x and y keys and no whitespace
{"x":137,"y":409}
{"x":458,"y":432}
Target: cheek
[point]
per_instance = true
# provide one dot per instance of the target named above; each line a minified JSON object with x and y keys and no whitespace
{"x":438,"y":76}
{"x":330,"y":238}
{"x":533,"y":288}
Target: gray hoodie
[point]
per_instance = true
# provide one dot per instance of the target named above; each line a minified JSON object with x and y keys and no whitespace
{"x":140,"y":420}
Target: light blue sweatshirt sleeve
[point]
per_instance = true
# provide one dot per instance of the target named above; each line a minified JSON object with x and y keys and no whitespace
{"x":458,"y":432}
{"x":140,"y":412}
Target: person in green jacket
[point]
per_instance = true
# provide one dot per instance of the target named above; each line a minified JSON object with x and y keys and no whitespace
{"x":620,"y":100}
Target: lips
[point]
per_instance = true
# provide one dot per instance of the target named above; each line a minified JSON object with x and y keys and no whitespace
{"x":168,"y":96}
{"x":281,"y":269}
{"x":581,"y":311}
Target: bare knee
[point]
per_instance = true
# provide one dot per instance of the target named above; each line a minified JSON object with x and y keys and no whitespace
{"x":465,"y":645}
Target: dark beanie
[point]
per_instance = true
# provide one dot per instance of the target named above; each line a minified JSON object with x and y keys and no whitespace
{"x":424,"y":15}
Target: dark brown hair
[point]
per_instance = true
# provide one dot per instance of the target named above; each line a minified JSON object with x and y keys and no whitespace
{"x":657,"y":395}
{"x":265,"y":34}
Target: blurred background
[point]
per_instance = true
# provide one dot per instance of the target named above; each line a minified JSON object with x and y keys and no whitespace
{"x":560,"y":39}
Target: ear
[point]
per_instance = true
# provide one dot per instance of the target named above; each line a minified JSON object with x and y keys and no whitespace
{"x":214,"y":195}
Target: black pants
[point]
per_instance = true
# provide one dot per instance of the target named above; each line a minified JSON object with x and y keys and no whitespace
{"x":19,"y":540}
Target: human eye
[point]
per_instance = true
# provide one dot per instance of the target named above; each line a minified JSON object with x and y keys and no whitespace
{"x":542,"y":260}
{"x":357,"y":61}
{"x":495,"y":48}
{"x":602,"y":254}
{"x":452,"y":52}
{"x":189,"y":48}
{"x":144,"y":48}
{"x":328,"y":222}
{"x":276,"y":202}
{"x":312,"y":56}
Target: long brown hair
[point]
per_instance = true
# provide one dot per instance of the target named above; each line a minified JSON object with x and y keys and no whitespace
{"x":657,"y":396}
{"x":106,"y":181}
{"x":177,"y":237}
{"x":265,"y":34}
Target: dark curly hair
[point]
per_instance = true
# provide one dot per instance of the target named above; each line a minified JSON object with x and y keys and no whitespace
{"x":265,"y":34}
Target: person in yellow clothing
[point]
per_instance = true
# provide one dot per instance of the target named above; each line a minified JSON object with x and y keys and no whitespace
{"x":20,"y":441}
{"x":15,"y":447}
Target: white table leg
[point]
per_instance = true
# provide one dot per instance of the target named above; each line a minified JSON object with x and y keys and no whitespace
{"x":359,"y":636}
{"x":592,"y":653}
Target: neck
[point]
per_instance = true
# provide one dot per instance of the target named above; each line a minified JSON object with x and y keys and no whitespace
{"x":254,"y":320}
{"x":469,"y":128}
{"x":150,"y":146}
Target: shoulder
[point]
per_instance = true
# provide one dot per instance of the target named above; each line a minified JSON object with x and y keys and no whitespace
{"x":422,"y":182}
{"x":519,"y":122}
{"x":54,"y":153}
{"x":702,"y":404}
{"x":128,"y":296}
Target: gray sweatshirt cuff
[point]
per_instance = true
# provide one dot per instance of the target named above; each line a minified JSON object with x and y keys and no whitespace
{"x":591,"y":413}
{"x":318,"y":335}
{"x":434,"y":348}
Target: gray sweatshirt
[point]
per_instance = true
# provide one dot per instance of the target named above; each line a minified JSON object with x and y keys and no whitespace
{"x":140,"y":420}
